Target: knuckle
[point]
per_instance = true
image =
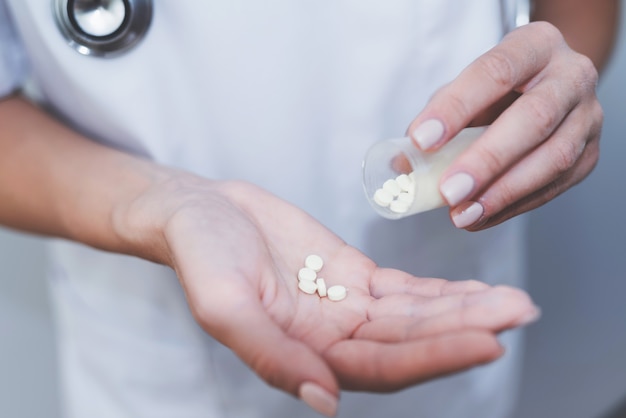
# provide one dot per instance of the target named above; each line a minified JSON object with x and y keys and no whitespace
{"x":598,"y":112}
{"x":566,"y":156}
{"x":590,"y":158}
{"x":506,"y":195}
{"x":588,"y":67}
{"x":492,"y":159}
{"x":593,"y":147}
{"x":455,"y":104}
{"x":576,"y":175}
{"x":499,"y":68}
{"x":587,"y":74}
{"x":549,"y":32}
{"x":540,"y":111}
{"x":597,"y":116}
{"x":551,"y":191}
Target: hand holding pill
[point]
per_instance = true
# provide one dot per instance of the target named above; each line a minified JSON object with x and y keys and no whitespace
{"x":538,"y":95}
{"x":242,"y":257}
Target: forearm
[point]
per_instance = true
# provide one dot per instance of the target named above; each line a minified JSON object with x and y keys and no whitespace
{"x":589,"y":27}
{"x":55,"y":182}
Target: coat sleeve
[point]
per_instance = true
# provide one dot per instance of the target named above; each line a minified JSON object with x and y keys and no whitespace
{"x":12,"y":57}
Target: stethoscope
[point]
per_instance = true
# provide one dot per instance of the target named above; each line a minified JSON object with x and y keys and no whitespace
{"x":106,"y":28}
{"x":103,"y":28}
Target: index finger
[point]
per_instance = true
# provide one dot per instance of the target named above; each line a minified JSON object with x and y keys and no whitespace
{"x":512,"y":65}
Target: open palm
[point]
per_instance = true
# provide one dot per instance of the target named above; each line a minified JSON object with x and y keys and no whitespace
{"x":237,"y":252}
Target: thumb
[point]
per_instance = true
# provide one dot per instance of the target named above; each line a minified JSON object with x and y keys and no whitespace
{"x":280,"y":360}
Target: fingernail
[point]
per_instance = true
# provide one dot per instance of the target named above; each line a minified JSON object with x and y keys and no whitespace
{"x":468,"y":215}
{"x":456,"y":188}
{"x":428,"y":133}
{"x":318,"y":399}
{"x":529,"y":318}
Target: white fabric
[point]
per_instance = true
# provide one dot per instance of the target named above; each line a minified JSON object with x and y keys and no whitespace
{"x":12,"y":62}
{"x":218,"y":87}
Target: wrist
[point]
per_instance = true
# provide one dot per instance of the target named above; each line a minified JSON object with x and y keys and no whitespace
{"x":147,"y":221}
{"x":139,"y":218}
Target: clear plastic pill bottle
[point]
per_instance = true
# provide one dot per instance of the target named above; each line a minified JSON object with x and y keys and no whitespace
{"x":401,"y":180}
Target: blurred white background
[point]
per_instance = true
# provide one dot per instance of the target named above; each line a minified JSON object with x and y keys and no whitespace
{"x":576,"y":355}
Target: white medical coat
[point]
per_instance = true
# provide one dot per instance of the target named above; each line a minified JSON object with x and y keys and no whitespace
{"x":285,"y":94}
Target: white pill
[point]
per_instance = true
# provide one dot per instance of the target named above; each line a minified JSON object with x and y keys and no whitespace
{"x":307,"y":286}
{"x":321,"y":287}
{"x":336,"y":293}
{"x":399,"y":206}
{"x":405,"y":182}
{"x":307,"y":274}
{"x":383,"y":198}
{"x":314,"y":262}
{"x":392,"y":187}
{"x":406,"y":197}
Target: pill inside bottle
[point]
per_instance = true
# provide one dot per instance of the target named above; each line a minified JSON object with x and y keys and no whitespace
{"x":401,"y":180}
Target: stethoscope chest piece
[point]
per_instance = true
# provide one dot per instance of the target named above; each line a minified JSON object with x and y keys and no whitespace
{"x":103,"y":28}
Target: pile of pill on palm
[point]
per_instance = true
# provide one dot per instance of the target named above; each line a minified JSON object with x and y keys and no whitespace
{"x":398,"y":193}
{"x":309,"y":283}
